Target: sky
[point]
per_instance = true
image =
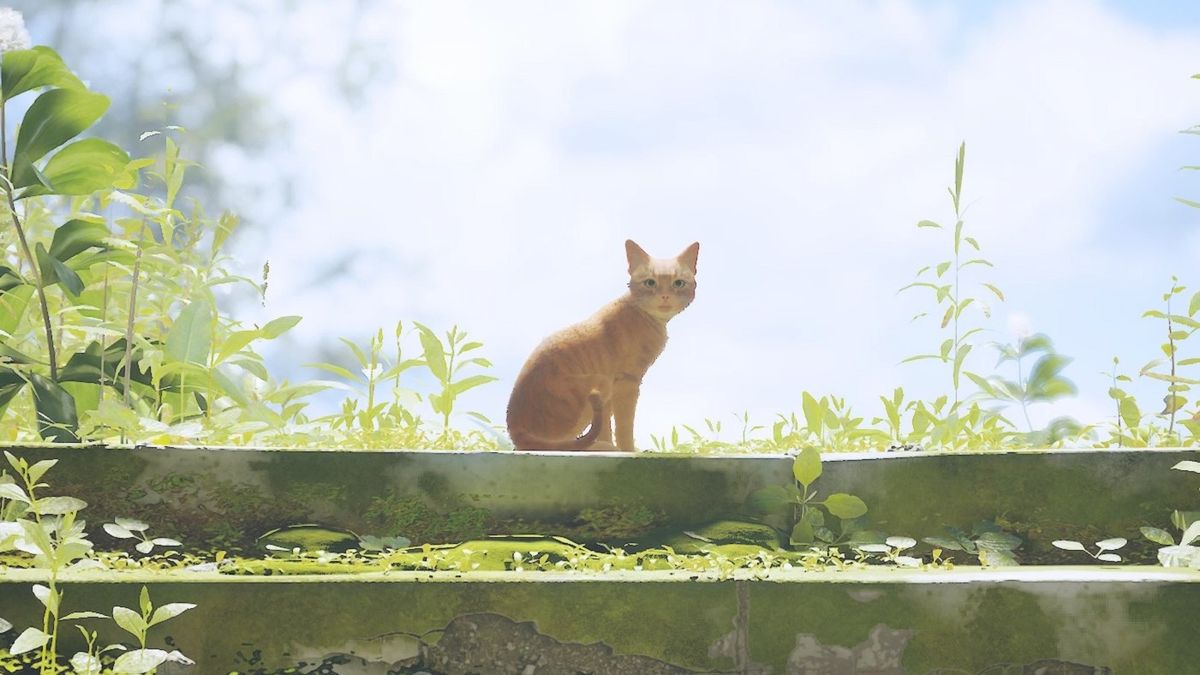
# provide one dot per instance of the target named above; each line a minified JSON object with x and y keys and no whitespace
{"x":492,"y":180}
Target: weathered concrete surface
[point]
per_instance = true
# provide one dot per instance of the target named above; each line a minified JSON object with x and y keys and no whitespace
{"x":1066,"y":620}
{"x":223,"y":498}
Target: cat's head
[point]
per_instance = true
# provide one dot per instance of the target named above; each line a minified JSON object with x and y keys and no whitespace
{"x":662,"y":287}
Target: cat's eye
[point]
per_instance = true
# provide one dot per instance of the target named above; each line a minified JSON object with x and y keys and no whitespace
{"x":680,"y":283}
{"x":650,"y":283}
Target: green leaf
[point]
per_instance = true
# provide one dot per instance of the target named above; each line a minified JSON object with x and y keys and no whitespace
{"x":29,"y":640}
{"x":806,"y":468}
{"x":949,"y":314}
{"x":1129,"y":412}
{"x":802,"y":534}
{"x":169,"y":611}
{"x":144,"y":601}
{"x":995,"y":290}
{"x":435,"y":357}
{"x":55,"y":117}
{"x":1187,"y":465}
{"x":1161,"y":537}
{"x":56,"y":418}
{"x":845,"y":506}
{"x":1188,"y":202}
{"x":941,"y":268}
{"x":236,"y":341}
{"x":470,"y":383}
{"x":771,"y":499}
{"x":57,"y":506}
{"x":813,"y":414}
{"x":928,"y":223}
{"x":279,"y":326}
{"x":81,"y":168}
{"x":76,"y":236}
{"x":54,"y":271}
{"x":25,"y":69}
{"x":190,"y":338}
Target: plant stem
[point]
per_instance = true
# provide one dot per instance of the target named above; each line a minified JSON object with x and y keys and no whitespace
{"x":37,"y":274}
{"x":1171,"y":389}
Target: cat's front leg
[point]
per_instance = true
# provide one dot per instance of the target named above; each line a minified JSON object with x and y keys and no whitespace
{"x":624,"y":403}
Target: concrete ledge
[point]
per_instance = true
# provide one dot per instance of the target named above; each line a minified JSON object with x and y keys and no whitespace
{"x":1128,"y":620}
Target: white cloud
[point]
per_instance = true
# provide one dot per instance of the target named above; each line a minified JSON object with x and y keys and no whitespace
{"x":493,"y":182}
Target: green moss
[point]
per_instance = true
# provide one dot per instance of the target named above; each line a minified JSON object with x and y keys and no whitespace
{"x":310,"y":538}
{"x":752,"y":535}
{"x":672,"y":485}
{"x":409,"y":516}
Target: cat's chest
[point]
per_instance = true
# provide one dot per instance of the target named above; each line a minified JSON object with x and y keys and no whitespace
{"x":633,"y":352}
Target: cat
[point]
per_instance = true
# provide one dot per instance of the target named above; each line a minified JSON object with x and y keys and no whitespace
{"x":591,"y":373}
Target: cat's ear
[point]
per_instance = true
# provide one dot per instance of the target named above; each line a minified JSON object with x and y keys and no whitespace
{"x":689,"y":256}
{"x":635,"y":255}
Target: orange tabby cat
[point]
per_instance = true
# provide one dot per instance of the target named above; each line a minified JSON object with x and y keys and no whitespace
{"x":591,"y":372}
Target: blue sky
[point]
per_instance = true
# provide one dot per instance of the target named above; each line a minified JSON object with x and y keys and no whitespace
{"x":492,"y":182}
{"x":517,"y":148}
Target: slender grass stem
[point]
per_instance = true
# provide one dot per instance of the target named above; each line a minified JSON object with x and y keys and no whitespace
{"x":6,"y":170}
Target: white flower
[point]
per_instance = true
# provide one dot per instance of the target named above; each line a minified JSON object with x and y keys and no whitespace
{"x":13,"y":34}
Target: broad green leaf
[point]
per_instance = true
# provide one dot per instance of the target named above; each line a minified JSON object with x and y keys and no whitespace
{"x":997,"y":541}
{"x":901,"y":542}
{"x":1112,"y":544}
{"x":802,"y":534}
{"x":470,"y":383}
{"x":84,"y":615}
{"x":39,"y":469}
{"x":169,"y":611}
{"x":1191,"y":534}
{"x":435,"y":356}
{"x":1187,"y":465}
{"x":845,"y":506}
{"x":806,"y":468}
{"x":57,"y":506}
{"x":24,"y":69}
{"x":1068,"y":545}
{"x":1158,"y":536}
{"x":14,"y":302}
{"x":279,"y":326}
{"x":190,"y":337}
{"x":813,"y":415}
{"x":144,"y":601}
{"x":117,"y":531}
{"x":771,"y":499}
{"x":358,"y":353}
{"x":54,"y":271}
{"x":29,"y":640}
{"x":1194,"y":305}
{"x":81,"y":168}
{"x":1109,"y":557}
{"x":236,"y":341}
{"x":942,"y":267}
{"x":76,"y":236}
{"x":56,"y":418}
{"x":12,"y":491}
{"x":1130,"y":414}
{"x":55,"y":117}
{"x":928,"y":223}
{"x":139,"y":661}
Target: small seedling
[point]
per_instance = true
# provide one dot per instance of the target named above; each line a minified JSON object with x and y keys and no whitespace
{"x":1101,"y":548}
{"x":891,"y":551}
{"x":128,"y":528}
{"x":802,"y":502}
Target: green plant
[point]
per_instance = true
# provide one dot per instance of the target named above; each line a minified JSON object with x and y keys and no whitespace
{"x":949,"y":291}
{"x":1179,"y":328}
{"x":807,"y":514}
{"x":1102,"y":548}
{"x":444,"y":361}
{"x":376,"y":369}
{"x":987,"y":541}
{"x":892,"y":551}
{"x":1128,"y":416}
{"x":1044,"y":384}
{"x":129,"y":528}
{"x":1184,"y":553}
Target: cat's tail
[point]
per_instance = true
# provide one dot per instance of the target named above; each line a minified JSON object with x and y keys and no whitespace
{"x":524,"y":440}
